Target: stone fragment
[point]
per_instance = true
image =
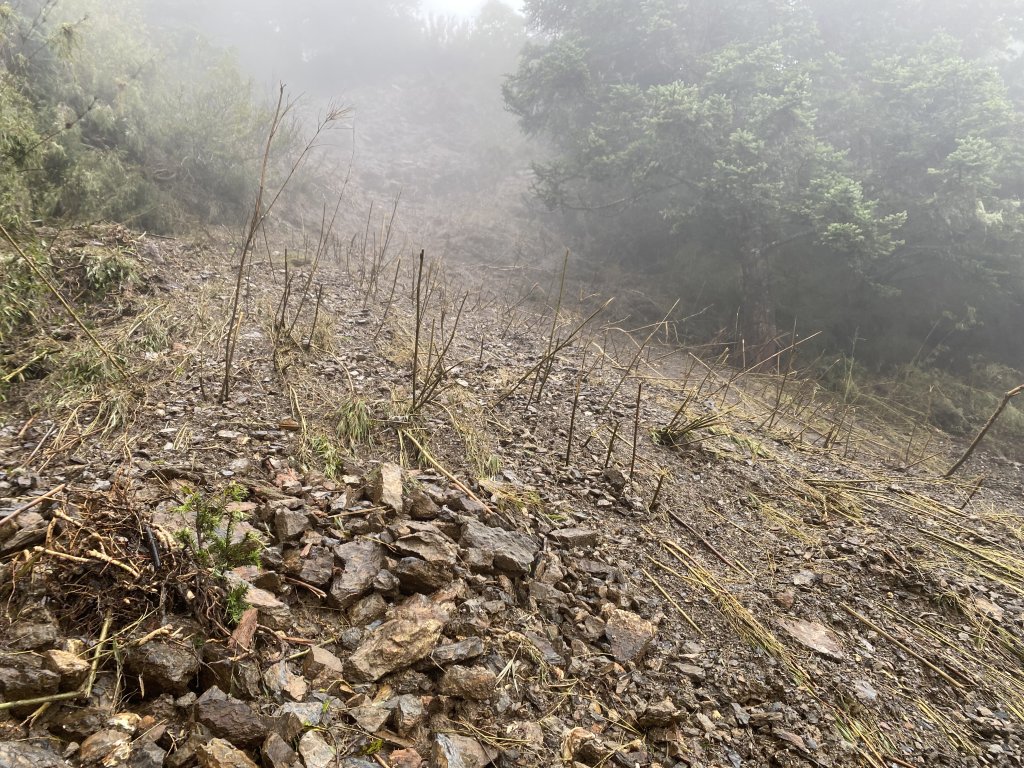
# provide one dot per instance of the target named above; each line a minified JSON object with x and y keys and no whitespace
{"x":415,"y":575}
{"x":316,"y":567}
{"x":27,"y":682}
{"x":508,"y":551}
{"x":394,"y":645}
{"x":230,"y":718}
{"x":574,"y":537}
{"x":865,"y":692}
{"x":659,"y":715}
{"x":319,"y":661}
{"x":409,"y":714}
{"x":277,"y":753}
{"x":805,"y":579}
{"x":289,"y":524}
{"x":387,"y":487}
{"x":218,"y":753}
{"x":272,"y":612}
{"x":405,"y":758}
{"x":73,"y":670}
{"x":628,"y":634}
{"x":815,"y":636}
{"x":370,"y":718}
{"x":368,"y":610}
{"x":453,"y":653}
{"x":363,"y":559}
{"x":421,"y":506}
{"x":165,"y":666}
{"x":315,"y":750}
{"x":471,"y":683}
{"x":280,"y":679}
{"x":427,"y":543}
{"x":452,"y":751}
{"x":26,"y":754}
{"x":31,"y":636}
{"x":146,"y":754}
{"x":110,"y":746}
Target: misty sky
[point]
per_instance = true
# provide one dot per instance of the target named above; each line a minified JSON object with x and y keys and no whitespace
{"x":459,"y":7}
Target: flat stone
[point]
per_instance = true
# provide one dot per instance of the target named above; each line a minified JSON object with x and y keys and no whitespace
{"x":280,"y":679}
{"x":165,"y":666}
{"x":401,"y":642}
{"x":452,"y":653}
{"x":25,"y":754}
{"x":370,"y":718}
{"x":272,"y":612}
{"x":628,"y":634}
{"x":315,"y":750}
{"x":231,"y":718}
{"x":321,"y":662}
{"x":510,"y":552}
{"x":415,"y":575}
{"x":405,"y":758}
{"x":471,"y":683}
{"x":574,"y":537}
{"x":427,"y":543}
{"x":146,"y":754}
{"x":363,"y":559}
{"x":218,"y":753}
{"x":368,"y":610}
{"x":421,"y":506}
{"x":659,"y":715}
{"x":815,"y":636}
{"x":32,"y":636}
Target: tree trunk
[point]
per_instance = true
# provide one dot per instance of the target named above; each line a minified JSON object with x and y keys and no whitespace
{"x":757,"y":311}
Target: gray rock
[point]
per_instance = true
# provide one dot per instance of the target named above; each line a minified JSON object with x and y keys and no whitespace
{"x":164,"y":666}
{"x":31,"y":636}
{"x":415,"y":575}
{"x":316,"y":568}
{"x":409,"y":714}
{"x":452,"y":751}
{"x":231,"y":719}
{"x":387,"y":487}
{"x":368,"y":610}
{"x":363,"y":559}
{"x":146,"y":754}
{"x":321,"y":662}
{"x":370,"y":718}
{"x":421,"y":506}
{"x":426,"y":542}
{"x":865,"y":692}
{"x":509,"y":552}
{"x":574,"y":537}
{"x":289,"y":524}
{"x":401,"y":642}
{"x":27,"y":682}
{"x":277,"y":753}
{"x":25,"y":754}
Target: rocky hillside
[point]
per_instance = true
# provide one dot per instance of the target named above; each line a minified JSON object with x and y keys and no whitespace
{"x":424,"y":526}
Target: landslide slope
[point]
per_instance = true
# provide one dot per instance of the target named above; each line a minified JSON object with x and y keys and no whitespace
{"x":438,"y":519}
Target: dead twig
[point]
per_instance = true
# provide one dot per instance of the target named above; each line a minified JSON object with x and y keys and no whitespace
{"x":984,"y":430}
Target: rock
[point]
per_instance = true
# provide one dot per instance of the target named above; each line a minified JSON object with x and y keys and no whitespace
{"x":280,"y":679}
{"x":73,"y":670}
{"x":368,"y":610}
{"x":278,"y":754}
{"x":785,"y":598}
{"x":387,"y":487}
{"x":805,"y":579}
{"x":574,"y":537}
{"x":230,"y":718}
{"x":217,"y":753}
{"x":415,"y":575}
{"x":421,"y":506}
{"x":370,"y":718}
{"x":25,"y":754}
{"x":315,"y":750}
{"x":110,"y":746}
{"x":165,"y":666}
{"x":316,"y":568}
{"x":865,"y":692}
{"x":409,"y":714}
{"x":815,"y":636}
{"x":362,"y":559}
{"x":471,"y":683}
{"x":628,"y":634}
{"x":452,"y":751}
{"x":660,"y":715}
{"x":31,"y":636}
{"x":321,"y":662}
{"x":394,"y":645}
{"x":405,"y":758}
{"x":289,"y":524}
{"x":506,"y":551}
{"x":426,"y":542}
{"x":272,"y":612}
{"x":79,"y":724}
{"x":584,"y":746}
{"x":27,"y":682}
{"x":692,"y":671}
{"x":452,"y":653}
{"x":146,"y":754}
